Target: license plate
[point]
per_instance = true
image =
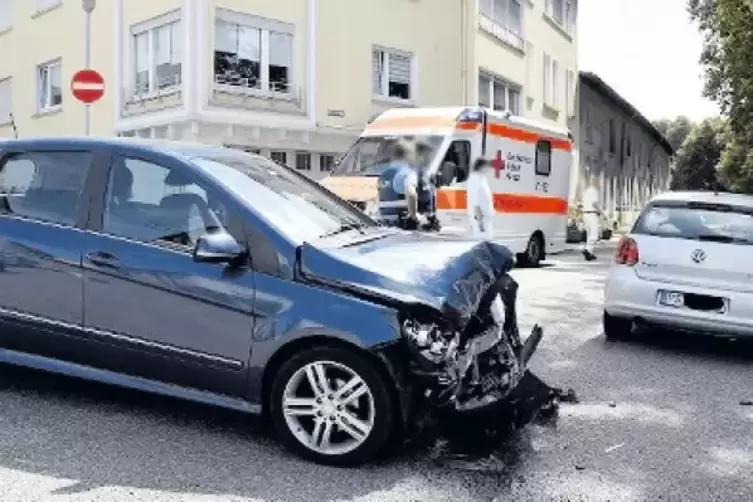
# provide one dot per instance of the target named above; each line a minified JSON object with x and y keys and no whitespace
{"x":671,"y":299}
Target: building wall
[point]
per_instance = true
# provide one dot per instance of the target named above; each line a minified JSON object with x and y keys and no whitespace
{"x":331,"y":92}
{"x":56,"y":32}
{"x":627,"y":181}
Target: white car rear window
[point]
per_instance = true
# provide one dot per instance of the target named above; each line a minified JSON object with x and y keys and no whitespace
{"x":715,"y":222}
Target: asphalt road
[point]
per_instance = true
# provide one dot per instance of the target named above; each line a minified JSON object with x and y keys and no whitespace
{"x":659,"y":419}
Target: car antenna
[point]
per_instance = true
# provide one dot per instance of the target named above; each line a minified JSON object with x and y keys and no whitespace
{"x":13,"y":123}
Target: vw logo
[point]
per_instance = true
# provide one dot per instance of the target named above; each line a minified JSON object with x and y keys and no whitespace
{"x":698,"y":256}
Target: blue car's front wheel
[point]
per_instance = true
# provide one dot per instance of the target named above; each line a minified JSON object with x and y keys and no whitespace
{"x":331,"y":405}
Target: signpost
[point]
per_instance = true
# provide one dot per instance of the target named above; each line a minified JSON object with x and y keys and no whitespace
{"x":88,"y":7}
{"x":87,"y":86}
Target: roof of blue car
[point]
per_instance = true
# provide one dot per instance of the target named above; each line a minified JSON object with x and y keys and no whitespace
{"x":183,"y":148}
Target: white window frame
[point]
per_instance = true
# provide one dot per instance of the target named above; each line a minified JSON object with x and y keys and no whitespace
{"x":384,"y":91}
{"x":6,"y":15}
{"x":149,"y":28}
{"x":567,"y":14}
{"x":265,"y":26}
{"x":47,"y":107}
{"x":500,"y":25}
{"x":305,"y":157}
{"x":508,"y":86}
{"x":322,"y":161}
{"x":551,"y":81}
{"x":6,"y":101}
{"x":570,"y":88}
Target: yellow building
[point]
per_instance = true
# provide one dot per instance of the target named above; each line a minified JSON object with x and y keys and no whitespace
{"x":294,"y":79}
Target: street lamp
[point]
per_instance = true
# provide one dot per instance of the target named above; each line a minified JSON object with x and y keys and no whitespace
{"x":88,"y":7}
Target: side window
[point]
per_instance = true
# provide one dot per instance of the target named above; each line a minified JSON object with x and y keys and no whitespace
{"x":44,"y":186}
{"x":459,"y":153}
{"x":543,"y":158}
{"x":151,"y":203}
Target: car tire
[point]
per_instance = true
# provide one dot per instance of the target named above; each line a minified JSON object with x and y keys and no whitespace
{"x":373,"y":410}
{"x":534,"y":253}
{"x":617,"y":328}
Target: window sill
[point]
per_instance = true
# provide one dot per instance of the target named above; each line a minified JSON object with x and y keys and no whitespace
{"x":5,"y":30}
{"x":149,"y":96}
{"x":49,"y":8}
{"x":44,"y":112}
{"x":378,"y":98}
{"x":549,"y":19}
{"x":254,"y":93}
{"x":501,"y":33}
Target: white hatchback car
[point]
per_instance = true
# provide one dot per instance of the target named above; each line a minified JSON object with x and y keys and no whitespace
{"x":686,"y":265}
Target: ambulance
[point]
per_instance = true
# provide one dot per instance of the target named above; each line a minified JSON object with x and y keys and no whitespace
{"x":530,"y":180}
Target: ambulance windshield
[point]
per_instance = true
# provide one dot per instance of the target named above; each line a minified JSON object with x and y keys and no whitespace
{"x":370,"y":155}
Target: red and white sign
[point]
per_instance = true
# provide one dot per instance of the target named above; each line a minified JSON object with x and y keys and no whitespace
{"x":87,"y":86}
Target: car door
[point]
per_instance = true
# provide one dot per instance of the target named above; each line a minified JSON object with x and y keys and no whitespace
{"x":164,"y":315}
{"x":41,"y":238}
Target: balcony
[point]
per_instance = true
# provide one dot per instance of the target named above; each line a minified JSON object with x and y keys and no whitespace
{"x":501,"y":33}
{"x":145,"y":96}
{"x":232,"y":90}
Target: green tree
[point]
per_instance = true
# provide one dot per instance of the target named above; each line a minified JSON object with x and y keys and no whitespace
{"x":675,"y":130}
{"x":727,"y":59}
{"x":695,"y":163}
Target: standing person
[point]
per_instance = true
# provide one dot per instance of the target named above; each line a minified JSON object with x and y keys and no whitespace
{"x":398,"y":188}
{"x":591,"y":217}
{"x":480,"y":201}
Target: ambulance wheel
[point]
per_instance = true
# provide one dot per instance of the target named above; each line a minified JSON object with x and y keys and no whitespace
{"x":534,"y":254}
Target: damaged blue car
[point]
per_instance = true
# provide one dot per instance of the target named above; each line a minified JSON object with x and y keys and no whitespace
{"x":221,"y":277}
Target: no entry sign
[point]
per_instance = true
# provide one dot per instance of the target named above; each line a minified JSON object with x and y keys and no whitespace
{"x":87,"y":86}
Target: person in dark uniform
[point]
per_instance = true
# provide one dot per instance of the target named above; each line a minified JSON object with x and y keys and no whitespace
{"x":398,"y":187}
{"x":426,"y":188}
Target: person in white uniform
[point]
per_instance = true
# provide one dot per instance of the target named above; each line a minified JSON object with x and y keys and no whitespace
{"x":591,"y":217}
{"x":480,"y":200}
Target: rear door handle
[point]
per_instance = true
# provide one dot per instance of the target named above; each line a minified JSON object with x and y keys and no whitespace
{"x":103,"y":259}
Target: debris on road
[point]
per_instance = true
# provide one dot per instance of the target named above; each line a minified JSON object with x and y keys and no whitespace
{"x":614,"y":447}
{"x":746,"y":402}
{"x":612,"y":404}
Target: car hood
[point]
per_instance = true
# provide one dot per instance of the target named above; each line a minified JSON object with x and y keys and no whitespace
{"x":447,"y":274}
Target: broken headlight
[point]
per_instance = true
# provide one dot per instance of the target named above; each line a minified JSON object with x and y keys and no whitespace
{"x":430,"y":341}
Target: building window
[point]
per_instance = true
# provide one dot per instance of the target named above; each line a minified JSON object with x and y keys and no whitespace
{"x":6,"y":100}
{"x":250,"y":53}
{"x":49,"y":90}
{"x":392,"y":73}
{"x":303,"y":161}
{"x":505,"y":13}
{"x":629,"y":147}
{"x":6,"y":14}
{"x":563,"y":12}
{"x":279,"y":157}
{"x":551,"y":84}
{"x":157,"y":56}
{"x":570,"y":93}
{"x":612,"y":137}
{"x":326,"y":162}
{"x":499,"y":94}
{"x":543,"y":158}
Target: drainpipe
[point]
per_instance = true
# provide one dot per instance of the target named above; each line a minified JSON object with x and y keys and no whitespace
{"x":464,"y":49}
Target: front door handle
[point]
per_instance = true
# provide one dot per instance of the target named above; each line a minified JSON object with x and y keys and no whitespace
{"x":103,"y":259}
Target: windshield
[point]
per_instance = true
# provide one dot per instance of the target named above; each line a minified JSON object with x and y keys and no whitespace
{"x":719,"y":223}
{"x":369,"y":156}
{"x":297,"y":206}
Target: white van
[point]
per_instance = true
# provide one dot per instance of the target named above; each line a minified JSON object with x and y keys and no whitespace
{"x":530,"y":181}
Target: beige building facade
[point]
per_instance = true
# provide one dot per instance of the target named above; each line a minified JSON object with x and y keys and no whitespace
{"x":295,"y":80}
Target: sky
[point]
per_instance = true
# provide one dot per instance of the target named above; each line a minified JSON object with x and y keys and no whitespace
{"x":647,"y":50}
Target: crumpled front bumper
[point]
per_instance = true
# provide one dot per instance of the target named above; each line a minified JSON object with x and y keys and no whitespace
{"x":479,"y":367}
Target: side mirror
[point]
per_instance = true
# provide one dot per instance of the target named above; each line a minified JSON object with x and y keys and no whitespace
{"x":217,"y":248}
{"x":446,"y":173}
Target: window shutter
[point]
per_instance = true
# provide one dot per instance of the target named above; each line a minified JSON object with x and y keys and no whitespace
{"x":400,"y":69}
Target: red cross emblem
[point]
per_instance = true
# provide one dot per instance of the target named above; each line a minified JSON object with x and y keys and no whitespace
{"x":498,"y":164}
